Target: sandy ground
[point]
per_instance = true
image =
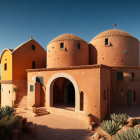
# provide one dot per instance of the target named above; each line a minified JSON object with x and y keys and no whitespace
{"x":56,"y":127}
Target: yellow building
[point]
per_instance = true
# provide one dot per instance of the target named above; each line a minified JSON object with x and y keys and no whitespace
{"x":14,"y":63}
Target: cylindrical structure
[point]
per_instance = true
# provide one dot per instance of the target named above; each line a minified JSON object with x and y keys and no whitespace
{"x":116,"y":48}
{"x":67,"y":50}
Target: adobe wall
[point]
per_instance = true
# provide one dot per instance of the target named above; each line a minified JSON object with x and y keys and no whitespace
{"x":21,"y":86}
{"x":105,"y":92}
{"x":70,"y":55}
{"x":23,"y":57}
{"x":9,"y":97}
{"x":88,"y":81}
{"x":119,"y":88}
{"x":6,"y":94}
{"x":121,"y":51}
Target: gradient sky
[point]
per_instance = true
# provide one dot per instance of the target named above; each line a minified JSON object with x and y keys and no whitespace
{"x":46,"y":19}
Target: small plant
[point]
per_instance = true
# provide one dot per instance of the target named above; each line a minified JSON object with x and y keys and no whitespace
{"x":131,"y":134}
{"x":6,"y":112}
{"x":15,"y":89}
{"x":110,"y":126}
{"x":90,"y":115}
{"x":90,"y":118}
{"x":119,"y":118}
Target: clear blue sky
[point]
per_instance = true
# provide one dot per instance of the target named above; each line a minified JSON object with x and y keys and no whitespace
{"x":46,"y":19}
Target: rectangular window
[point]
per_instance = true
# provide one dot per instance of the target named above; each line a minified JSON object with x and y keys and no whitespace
{"x":120,"y":76}
{"x":39,"y":80}
{"x":33,"y":47}
{"x":33,"y":65}
{"x":5,"y":66}
{"x":31,"y":88}
{"x":106,"y":42}
{"x":61,"y":45}
{"x":79,"y":46}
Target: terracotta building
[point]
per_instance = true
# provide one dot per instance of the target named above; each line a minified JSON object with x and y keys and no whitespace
{"x":77,"y":78}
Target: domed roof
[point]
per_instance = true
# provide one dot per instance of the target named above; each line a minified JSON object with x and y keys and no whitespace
{"x":67,"y":37}
{"x":112,"y":32}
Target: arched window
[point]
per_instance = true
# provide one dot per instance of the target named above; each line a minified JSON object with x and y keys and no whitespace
{"x":81,"y":101}
{"x":120,"y":76}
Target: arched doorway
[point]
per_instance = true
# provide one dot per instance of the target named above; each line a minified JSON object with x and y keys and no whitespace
{"x":129,"y":98}
{"x":50,"y":88}
{"x":63,"y":94}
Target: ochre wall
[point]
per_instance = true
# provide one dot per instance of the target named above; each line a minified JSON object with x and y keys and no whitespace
{"x":88,"y":81}
{"x":6,"y":58}
{"x":23,"y":57}
{"x":114,"y":55}
{"x":69,"y":56}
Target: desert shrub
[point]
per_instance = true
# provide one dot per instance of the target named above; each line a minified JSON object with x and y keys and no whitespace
{"x":119,"y":118}
{"x":6,"y":111}
{"x":6,"y":125}
{"x":110,"y":126}
{"x":131,"y":134}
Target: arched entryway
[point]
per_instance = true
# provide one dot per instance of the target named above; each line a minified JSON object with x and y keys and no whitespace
{"x":62,"y":90}
{"x":63,"y":94}
{"x":129,"y":97}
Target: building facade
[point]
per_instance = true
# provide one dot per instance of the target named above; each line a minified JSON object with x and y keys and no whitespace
{"x":14,"y":63}
{"x":75,"y":78}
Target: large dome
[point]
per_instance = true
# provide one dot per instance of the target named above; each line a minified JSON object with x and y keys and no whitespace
{"x":67,"y":36}
{"x":113,"y":32}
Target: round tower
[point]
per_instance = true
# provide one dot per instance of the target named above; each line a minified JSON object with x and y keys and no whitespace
{"x":67,"y":50}
{"x":116,"y":48}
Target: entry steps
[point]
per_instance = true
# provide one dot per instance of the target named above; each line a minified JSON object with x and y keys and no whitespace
{"x":40,"y":111}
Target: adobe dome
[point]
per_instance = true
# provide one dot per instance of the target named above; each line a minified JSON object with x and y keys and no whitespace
{"x":113,"y":32}
{"x":67,"y":36}
{"x":115,"y":48}
{"x":67,"y":50}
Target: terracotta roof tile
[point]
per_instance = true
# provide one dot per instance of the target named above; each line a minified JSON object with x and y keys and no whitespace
{"x":68,"y":68}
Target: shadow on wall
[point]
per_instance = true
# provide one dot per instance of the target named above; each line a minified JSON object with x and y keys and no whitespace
{"x":92,"y":54}
{"x":44,"y":132}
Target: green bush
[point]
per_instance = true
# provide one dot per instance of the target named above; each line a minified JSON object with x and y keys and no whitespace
{"x":119,"y":118}
{"x":6,"y":125}
{"x":90,"y":115}
{"x":131,"y":134}
{"x":110,"y":126}
{"x":6,"y":111}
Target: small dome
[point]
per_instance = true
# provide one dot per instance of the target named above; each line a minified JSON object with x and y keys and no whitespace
{"x":112,"y":32}
{"x":67,"y":37}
